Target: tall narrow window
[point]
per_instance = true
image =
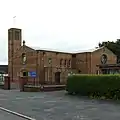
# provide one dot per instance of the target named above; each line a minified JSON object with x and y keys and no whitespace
{"x":23,"y":58}
{"x":65,"y":63}
{"x":69,"y":63}
{"x":17,"y":35}
{"x":50,"y":61}
{"x":9,"y":35}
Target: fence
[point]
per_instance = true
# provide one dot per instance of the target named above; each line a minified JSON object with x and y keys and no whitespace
{"x":2,"y":78}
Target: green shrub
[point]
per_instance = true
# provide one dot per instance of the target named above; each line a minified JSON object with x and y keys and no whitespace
{"x":97,"y":86}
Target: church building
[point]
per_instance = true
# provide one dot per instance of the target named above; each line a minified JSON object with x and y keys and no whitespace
{"x":45,"y":66}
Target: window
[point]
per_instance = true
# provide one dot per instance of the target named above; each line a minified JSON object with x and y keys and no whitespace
{"x":50,"y":61}
{"x":74,"y":56}
{"x":57,"y":53}
{"x":17,"y":35}
{"x":23,"y":58}
{"x":69,"y":63}
{"x":79,"y":71}
{"x":10,"y":35}
{"x":43,"y":53}
{"x":65,"y":62}
{"x":103,"y":59}
{"x":25,"y":74}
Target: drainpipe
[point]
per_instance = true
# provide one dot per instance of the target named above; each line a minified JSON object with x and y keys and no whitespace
{"x":12,"y":53}
{"x":37,"y":73}
{"x":86,"y":64}
{"x":91,"y":62}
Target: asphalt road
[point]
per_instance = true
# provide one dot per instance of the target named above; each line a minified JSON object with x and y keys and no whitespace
{"x":7,"y":116}
{"x":57,"y":106}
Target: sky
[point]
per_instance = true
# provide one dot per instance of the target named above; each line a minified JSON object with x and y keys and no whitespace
{"x":60,"y":24}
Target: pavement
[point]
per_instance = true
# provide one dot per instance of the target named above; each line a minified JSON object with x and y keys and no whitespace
{"x":8,"y":116}
{"x":56,"y":106}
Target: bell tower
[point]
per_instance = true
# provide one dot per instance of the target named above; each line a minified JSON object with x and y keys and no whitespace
{"x":14,"y":44}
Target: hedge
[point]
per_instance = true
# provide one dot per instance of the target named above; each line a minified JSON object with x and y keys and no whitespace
{"x":107,"y":86}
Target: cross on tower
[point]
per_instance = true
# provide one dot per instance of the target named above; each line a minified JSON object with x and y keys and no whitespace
{"x":14,"y":21}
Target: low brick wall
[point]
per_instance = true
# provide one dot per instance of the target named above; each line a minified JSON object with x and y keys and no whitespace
{"x":53,"y":87}
{"x":30,"y":88}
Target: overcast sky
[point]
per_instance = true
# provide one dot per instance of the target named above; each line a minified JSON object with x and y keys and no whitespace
{"x":60,"y":24}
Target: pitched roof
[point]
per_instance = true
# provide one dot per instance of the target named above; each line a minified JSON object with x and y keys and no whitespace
{"x":67,"y":51}
{"x":51,"y":50}
{"x":90,"y":50}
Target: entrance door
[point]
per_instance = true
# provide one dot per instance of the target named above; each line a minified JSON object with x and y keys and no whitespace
{"x":57,"y":77}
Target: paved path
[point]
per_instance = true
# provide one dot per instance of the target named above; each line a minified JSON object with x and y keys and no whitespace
{"x":58,"y":106}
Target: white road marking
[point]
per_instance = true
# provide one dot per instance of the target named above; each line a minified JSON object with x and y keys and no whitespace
{"x":20,"y":98}
{"x":49,"y":110}
{"x":2,"y":94}
{"x":17,"y":114}
{"x":34,"y":97}
{"x":50,"y":101}
{"x":3,"y":99}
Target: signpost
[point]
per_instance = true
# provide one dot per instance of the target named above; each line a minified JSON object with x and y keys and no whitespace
{"x":32,"y":74}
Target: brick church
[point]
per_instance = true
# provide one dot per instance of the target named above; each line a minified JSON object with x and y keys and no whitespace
{"x":45,"y":66}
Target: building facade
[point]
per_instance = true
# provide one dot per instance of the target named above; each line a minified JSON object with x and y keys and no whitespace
{"x":44,"y":66}
{"x":90,"y":62}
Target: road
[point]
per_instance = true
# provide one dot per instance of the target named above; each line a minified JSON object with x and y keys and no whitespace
{"x":7,"y":116}
{"x":57,"y":106}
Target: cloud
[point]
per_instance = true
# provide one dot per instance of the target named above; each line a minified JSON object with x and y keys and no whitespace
{"x":65,"y":24}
